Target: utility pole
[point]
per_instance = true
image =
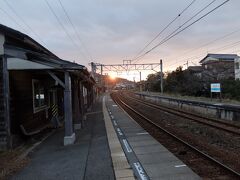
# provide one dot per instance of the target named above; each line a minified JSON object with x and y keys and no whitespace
{"x":101,"y":76}
{"x":93,"y":68}
{"x":161,"y":76}
{"x":186,"y":64}
{"x":140,"y":74}
{"x":106,"y":81}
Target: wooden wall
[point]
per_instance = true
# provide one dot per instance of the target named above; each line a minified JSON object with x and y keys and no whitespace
{"x":22,"y":101}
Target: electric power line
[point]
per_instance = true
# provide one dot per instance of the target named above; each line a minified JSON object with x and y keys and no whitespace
{"x":174,"y":19}
{"x":62,"y":26}
{"x":206,"y":44}
{"x":75,"y":29}
{"x":59,"y":22}
{"x":138,"y":58}
{"x":24,"y":22}
{"x":213,"y":50}
{"x":186,"y":22}
{"x":211,"y":42}
{"x":173,"y":35}
{"x":12,"y":18}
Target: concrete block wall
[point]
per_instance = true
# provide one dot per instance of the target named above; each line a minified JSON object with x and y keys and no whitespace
{"x":208,"y":111}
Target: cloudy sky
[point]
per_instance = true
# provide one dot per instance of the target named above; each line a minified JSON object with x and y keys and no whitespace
{"x":109,"y":31}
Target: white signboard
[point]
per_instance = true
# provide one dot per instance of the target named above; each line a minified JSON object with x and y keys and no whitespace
{"x":215,"y":87}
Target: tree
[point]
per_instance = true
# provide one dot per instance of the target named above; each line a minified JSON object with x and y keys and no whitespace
{"x":185,"y":82}
{"x":230,"y":89}
{"x":178,"y":81}
{"x":153,"y":82}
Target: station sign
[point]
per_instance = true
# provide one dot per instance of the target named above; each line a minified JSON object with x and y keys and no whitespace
{"x":215,"y":87}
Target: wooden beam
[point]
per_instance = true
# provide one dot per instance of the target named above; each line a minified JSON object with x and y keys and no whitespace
{"x":56,"y":78}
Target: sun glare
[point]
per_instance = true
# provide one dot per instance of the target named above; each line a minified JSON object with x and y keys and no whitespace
{"x":112,"y":76}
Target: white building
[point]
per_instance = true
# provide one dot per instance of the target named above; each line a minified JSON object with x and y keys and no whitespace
{"x":237,"y":68}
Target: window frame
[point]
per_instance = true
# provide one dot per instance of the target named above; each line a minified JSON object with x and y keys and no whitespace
{"x":40,"y":108}
{"x":237,"y":65}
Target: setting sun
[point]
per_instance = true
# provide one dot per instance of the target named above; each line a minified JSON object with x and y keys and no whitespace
{"x":112,"y":76}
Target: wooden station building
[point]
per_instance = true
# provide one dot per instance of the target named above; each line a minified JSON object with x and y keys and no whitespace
{"x":37,"y":88}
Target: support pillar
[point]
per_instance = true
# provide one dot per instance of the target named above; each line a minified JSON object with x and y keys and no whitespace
{"x":89,"y":97}
{"x":69,"y":134}
{"x":77,"y":118}
{"x":5,"y":133}
{"x":81,"y":99}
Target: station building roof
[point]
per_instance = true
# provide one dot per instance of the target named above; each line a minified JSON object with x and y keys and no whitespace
{"x":34,"y":51}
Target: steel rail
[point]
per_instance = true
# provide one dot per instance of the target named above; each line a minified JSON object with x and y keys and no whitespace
{"x":203,"y":120}
{"x":179,"y":139}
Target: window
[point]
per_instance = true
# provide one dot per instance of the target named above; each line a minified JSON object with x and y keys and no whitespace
{"x":39,"y":99}
{"x":237,"y":65}
{"x":84,"y":95}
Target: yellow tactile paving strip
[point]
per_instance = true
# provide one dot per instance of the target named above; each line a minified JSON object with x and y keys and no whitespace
{"x":121,"y":166}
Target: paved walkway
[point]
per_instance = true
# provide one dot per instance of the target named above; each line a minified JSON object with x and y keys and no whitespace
{"x":88,"y":159}
{"x":133,"y":152}
{"x":147,"y":157}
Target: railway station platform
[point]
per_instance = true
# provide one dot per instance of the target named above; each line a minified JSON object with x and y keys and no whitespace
{"x":147,"y":157}
{"x":110,"y":146}
{"x":88,"y":159}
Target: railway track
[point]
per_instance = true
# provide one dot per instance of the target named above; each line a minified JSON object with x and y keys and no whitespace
{"x":219,"y":124}
{"x":122,"y":102}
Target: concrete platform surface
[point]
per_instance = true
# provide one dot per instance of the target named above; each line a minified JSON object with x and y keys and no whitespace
{"x":110,"y":146}
{"x":88,"y":159}
{"x":147,"y":157}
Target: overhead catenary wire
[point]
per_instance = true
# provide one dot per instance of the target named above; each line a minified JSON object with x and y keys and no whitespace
{"x":173,"y":35}
{"x":75,"y":29}
{"x":168,"y":25}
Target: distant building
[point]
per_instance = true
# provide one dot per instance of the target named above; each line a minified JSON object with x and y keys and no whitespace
{"x":196,"y":70}
{"x":219,"y":66}
{"x":237,"y":68}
